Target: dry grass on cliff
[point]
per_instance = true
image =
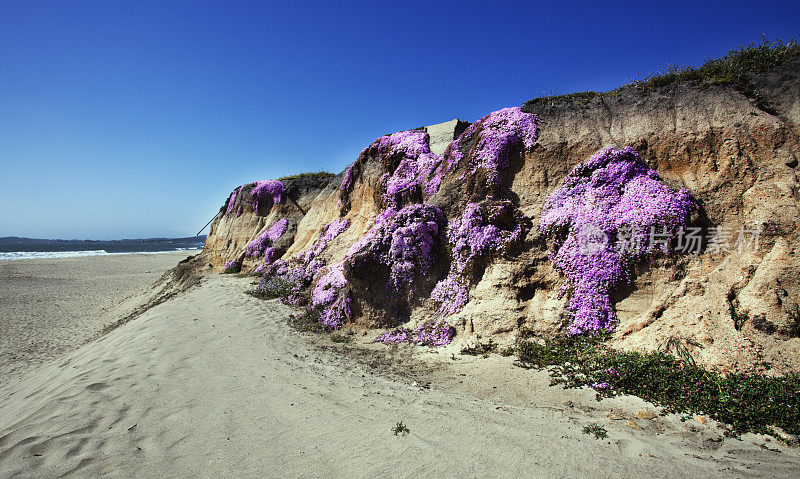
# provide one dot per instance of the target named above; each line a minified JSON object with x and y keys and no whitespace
{"x":317,"y":175}
{"x":728,"y":70}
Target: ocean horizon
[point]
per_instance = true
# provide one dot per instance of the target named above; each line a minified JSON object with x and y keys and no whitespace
{"x":15,"y":248}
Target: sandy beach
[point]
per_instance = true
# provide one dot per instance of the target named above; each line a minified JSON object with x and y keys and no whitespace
{"x":214,"y":383}
{"x":52,"y":306}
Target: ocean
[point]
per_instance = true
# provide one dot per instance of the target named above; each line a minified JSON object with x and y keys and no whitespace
{"x":13,"y":248}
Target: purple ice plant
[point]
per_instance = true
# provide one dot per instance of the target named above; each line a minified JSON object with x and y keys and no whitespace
{"x":332,"y":298}
{"x":452,"y":294}
{"x":262,"y":243}
{"x":409,"y":163}
{"x":493,"y":138}
{"x":605,"y":217}
{"x":328,"y":233}
{"x":485,"y":229}
{"x":433,"y":334}
{"x":346,"y":186}
{"x":404,"y":242}
{"x":266,"y":193}
{"x":232,"y":201}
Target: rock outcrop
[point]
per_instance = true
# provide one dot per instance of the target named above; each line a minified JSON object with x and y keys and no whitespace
{"x":733,"y":299}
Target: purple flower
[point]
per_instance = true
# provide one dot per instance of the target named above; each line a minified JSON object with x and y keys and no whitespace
{"x":328,"y":233}
{"x":261,"y":244}
{"x":433,"y":334}
{"x":495,"y":136}
{"x":601,"y":221}
{"x":232,"y":201}
{"x":484,"y":229}
{"x":232,"y":267}
{"x":265,"y":194}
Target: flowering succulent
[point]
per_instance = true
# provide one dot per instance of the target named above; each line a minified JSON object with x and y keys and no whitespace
{"x":485,"y":229}
{"x":232,"y":201}
{"x":609,"y":213}
{"x":404,"y":243}
{"x":493,"y":138}
{"x":452,"y":294}
{"x":335,"y":309}
{"x":433,"y":334}
{"x":415,"y":165}
{"x":409,"y":163}
{"x":261,"y":244}
{"x":262,"y":196}
{"x":328,"y":233}
{"x":346,"y":186}
{"x":266,"y":193}
{"x":332,"y":298}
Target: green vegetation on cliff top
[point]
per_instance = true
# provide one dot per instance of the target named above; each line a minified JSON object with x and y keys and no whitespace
{"x":731,"y":69}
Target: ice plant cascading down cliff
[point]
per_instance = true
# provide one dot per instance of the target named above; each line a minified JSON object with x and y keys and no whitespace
{"x":493,"y":226}
{"x":262,"y":245}
{"x":485,"y":229}
{"x":609,"y":213}
{"x":263,"y":194}
{"x":304,"y":268}
{"x":488,"y":227}
{"x":409,"y":236}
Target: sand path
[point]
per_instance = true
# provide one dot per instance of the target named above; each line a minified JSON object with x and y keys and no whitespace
{"x":215,"y":383}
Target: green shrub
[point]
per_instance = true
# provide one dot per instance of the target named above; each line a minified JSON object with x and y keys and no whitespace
{"x":400,"y":428}
{"x":745,"y":402}
{"x":731,"y":69}
{"x":596,"y":429}
{"x":275,"y":287}
{"x":307,"y":321}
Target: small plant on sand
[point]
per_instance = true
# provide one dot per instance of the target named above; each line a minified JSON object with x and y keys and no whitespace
{"x":308,"y":321}
{"x":400,"y":428}
{"x":509,"y":351}
{"x":596,"y":429}
{"x":275,"y":287}
{"x":339,"y":338}
{"x":480,"y":349}
{"x":232,"y":267}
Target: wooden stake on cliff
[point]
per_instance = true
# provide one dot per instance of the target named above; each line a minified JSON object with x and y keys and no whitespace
{"x":209,"y":222}
{"x":288,"y":195}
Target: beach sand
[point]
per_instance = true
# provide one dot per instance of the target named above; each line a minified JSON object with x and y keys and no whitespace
{"x":215,"y":383}
{"x":52,"y":306}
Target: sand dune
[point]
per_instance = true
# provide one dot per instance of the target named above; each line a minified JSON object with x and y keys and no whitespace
{"x":52,"y":306}
{"x":216,"y":384}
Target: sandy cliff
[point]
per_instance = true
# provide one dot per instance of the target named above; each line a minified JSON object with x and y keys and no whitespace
{"x":735,"y":149}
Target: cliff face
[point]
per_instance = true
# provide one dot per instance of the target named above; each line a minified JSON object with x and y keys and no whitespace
{"x":735,"y":150}
{"x":237,"y":223}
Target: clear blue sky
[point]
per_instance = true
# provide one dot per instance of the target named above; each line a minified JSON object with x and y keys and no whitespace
{"x":137,"y":118}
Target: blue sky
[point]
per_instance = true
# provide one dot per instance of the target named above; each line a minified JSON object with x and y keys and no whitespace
{"x":136,"y":119}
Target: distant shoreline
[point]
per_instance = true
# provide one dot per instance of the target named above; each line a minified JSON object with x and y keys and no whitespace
{"x":35,"y":255}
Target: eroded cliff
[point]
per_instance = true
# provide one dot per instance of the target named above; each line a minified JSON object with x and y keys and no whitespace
{"x":444,"y":222}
